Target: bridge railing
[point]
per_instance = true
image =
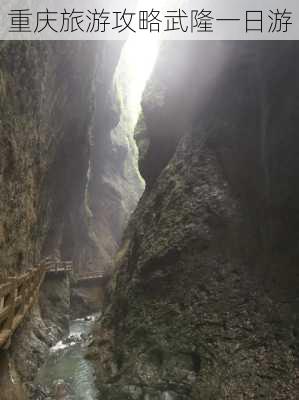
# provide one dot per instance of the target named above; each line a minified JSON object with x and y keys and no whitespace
{"x":58,"y":266}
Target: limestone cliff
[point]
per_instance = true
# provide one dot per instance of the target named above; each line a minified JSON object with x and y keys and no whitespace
{"x":46,"y":111}
{"x":44,"y":121}
{"x":114,"y":186}
{"x":204,"y":301}
{"x":64,"y":182}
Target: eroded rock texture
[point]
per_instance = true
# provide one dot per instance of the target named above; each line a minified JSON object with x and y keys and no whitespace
{"x":204,"y":302}
{"x":45,"y":145}
{"x":114,"y":186}
{"x":56,"y":114}
{"x":46,"y":110}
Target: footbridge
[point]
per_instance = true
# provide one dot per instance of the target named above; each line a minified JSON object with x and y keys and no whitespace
{"x":89,"y":278}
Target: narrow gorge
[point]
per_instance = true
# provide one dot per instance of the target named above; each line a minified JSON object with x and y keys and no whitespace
{"x":148,"y":220}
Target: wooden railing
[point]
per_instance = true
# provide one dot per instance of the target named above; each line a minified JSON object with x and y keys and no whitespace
{"x":18,"y":294}
{"x":59,"y":266}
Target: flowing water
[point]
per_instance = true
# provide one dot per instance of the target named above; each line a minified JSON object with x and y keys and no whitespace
{"x":67,"y":374}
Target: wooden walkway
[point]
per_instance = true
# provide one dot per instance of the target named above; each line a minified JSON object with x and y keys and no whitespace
{"x":91,"y":277}
{"x":18,"y":294}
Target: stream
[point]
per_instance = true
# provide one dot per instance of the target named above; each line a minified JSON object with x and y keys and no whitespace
{"x":67,"y":375}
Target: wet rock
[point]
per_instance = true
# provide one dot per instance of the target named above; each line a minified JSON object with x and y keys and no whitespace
{"x":39,"y":392}
{"x":30,"y":345}
{"x":134,"y":391}
{"x":85,"y":301}
{"x":61,"y":391}
{"x":72,"y":339}
{"x":11,"y":387}
{"x":91,"y":354}
{"x":169,"y":396}
{"x":55,"y":304}
{"x":90,"y":342}
{"x":83,"y":338}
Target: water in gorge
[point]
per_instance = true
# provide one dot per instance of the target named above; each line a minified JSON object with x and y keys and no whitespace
{"x":67,"y":374}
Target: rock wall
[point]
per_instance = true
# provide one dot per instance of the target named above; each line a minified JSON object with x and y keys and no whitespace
{"x":46,"y":108}
{"x":46,"y":111}
{"x":204,"y":302}
{"x":114,"y":185}
{"x":63,"y":179}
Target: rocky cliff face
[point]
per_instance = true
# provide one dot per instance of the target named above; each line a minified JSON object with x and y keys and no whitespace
{"x":114,"y":186}
{"x":204,"y":302}
{"x":64,"y":180}
{"x":44,"y":144}
{"x":46,"y":110}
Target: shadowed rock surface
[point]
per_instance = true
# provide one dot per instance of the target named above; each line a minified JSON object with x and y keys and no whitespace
{"x":43,"y":119}
{"x":204,"y":301}
{"x":114,"y":186}
{"x":50,"y":94}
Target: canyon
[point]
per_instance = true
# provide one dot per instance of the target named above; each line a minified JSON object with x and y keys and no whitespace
{"x":200,"y":295}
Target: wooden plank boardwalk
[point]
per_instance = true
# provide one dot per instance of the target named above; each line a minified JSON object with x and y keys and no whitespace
{"x":18,"y":294}
{"x":90,"y":277}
